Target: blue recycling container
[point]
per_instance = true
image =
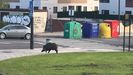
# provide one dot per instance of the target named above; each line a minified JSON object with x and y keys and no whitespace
{"x":90,"y":30}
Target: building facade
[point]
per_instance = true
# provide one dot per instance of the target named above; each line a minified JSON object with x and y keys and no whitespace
{"x":54,"y":6}
{"x":114,"y":7}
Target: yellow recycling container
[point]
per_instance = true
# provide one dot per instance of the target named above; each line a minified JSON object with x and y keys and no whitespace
{"x":105,"y":30}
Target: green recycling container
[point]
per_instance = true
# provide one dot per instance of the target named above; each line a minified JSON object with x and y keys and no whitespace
{"x":72,"y":30}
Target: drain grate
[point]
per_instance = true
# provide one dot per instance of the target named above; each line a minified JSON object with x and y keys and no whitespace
{"x":63,"y":46}
{"x":6,"y":52}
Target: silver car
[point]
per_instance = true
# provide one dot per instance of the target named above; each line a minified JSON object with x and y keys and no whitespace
{"x":15,"y":31}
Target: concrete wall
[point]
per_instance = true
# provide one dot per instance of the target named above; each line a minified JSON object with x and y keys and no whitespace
{"x":90,"y":4}
{"x":113,"y":7}
{"x":12,"y":0}
{"x":24,"y":4}
{"x":40,"y":19}
{"x":72,"y":1}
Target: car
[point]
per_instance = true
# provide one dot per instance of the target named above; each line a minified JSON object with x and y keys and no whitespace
{"x":12,"y":30}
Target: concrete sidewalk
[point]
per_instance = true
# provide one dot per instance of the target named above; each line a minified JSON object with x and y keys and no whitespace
{"x":13,"y":53}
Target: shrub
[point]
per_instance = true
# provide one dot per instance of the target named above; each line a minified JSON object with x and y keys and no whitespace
{"x":2,"y":24}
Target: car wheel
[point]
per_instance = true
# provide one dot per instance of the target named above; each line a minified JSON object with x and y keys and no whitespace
{"x":2,"y":35}
{"x":27,"y":36}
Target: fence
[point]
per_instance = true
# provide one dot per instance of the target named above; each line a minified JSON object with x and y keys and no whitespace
{"x":89,"y":15}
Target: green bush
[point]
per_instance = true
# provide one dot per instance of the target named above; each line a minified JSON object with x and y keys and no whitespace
{"x":2,"y":24}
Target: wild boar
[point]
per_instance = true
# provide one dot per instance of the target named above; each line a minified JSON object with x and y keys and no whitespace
{"x":50,"y":46}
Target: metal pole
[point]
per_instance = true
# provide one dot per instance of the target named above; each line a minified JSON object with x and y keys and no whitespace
{"x":119,"y":16}
{"x":51,"y":24}
{"x":32,"y":27}
{"x":124,"y":40}
{"x":129,"y":45}
{"x":32,"y":35}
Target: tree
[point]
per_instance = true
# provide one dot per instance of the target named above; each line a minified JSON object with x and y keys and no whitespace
{"x":4,"y":4}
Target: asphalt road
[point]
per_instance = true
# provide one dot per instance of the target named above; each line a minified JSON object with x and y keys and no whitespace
{"x":95,"y":43}
{"x":16,"y":43}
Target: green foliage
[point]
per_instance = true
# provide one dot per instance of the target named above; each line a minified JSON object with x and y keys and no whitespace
{"x":2,"y":24}
{"x":70,"y":64}
{"x":3,"y":4}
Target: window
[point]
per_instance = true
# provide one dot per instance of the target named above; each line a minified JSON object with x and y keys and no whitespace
{"x":128,"y":12}
{"x":96,"y":8}
{"x":7,"y":27}
{"x":55,"y":10}
{"x":20,"y":27}
{"x":12,"y":28}
{"x":25,"y":13}
{"x":104,"y":1}
{"x":71,"y":7}
{"x":78,"y":8}
{"x":106,"y":12}
{"x":85,"y":8}
{"x":17,"y":7}
{"x":8,"y":6}
{"x":64,"y":8}
{"x":44,"y":8}
{"x":35,"y":8}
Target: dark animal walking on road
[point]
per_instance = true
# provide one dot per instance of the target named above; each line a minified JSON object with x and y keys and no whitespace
{"x":50,"y":46}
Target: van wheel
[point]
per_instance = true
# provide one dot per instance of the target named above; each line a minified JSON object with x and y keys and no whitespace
{"x":2,"y":35}
{"x":27,"y":36}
